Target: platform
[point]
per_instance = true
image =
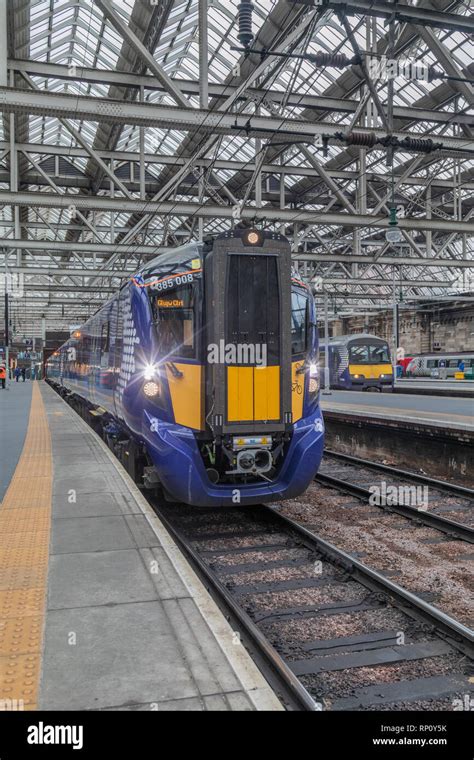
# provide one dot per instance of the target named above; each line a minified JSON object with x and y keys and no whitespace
{"x":445,"y":412}
{"x":430,"y":386}
{"x":14,"y":414}
{"x":98,"y":608}
{"x":431,"y":434}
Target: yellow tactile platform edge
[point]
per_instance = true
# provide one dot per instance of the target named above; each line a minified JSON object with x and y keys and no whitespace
{"x":25,"y":522}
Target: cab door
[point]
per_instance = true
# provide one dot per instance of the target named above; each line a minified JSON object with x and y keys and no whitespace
{"x":252,"y":339}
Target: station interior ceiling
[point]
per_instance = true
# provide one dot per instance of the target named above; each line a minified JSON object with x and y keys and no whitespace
{"x":128,"y":126}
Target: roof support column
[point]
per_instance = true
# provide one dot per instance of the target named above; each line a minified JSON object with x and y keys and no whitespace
{"x":142,"y":153}
{"x":203,"y":55}
{"x":428,"y":233}
{"x":3,"y":44}
{"x":282,"y":193}
{"x":14,"y":175}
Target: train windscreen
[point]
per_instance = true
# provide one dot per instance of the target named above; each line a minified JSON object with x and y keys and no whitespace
{"x":254,"y":304}
{"x":370,"y":354}
{"x":299,"y":322}
{"x":174,"y":318}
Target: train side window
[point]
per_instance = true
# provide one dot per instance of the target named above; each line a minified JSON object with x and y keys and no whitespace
{"x":173,"y":315}
{"x":105,"y":344}
{"x":432,"y":363}
{"x":299,"y":323}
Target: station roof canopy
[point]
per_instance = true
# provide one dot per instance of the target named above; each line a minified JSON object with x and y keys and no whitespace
{"x":129,"y":126}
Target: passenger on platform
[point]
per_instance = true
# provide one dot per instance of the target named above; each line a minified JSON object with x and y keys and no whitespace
{"x":3,"y":375}
{"x":17,"y":373}
{"x":23,"y":373}
{"x":461,"y":365}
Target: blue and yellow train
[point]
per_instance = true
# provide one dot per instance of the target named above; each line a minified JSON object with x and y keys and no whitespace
{"x":358,"y":362}
{"x":202,"y":373}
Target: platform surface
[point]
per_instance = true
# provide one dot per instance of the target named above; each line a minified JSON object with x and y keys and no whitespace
{"x":439,"y":411}
{"x":449,"y":387}
{"x":98,"y":608}
{"x":14,"y":414}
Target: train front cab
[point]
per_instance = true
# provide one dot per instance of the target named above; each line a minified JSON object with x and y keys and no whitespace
{"x":370,"y":365}
{"x":361,"y":362}
{"x":245,"y":397}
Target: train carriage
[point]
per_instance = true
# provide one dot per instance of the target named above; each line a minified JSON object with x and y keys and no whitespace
{"x":203,"y":372}
{"x":441,"y":365}
{"x":358,"y":362}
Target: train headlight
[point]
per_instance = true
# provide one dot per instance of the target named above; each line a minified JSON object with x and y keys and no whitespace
{"x":252,"y":237}
{"x":313,"y":386}
{"x":149,"y":372}
{"x":151,"y":389}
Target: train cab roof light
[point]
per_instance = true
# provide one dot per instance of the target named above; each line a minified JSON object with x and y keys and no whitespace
{"x":252,"y":237}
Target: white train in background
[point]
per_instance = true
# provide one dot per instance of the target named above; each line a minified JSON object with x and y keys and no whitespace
{"x":440,"y":365}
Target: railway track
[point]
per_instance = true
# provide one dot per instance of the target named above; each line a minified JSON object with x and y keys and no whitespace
{"x":355,"y":476}
{"x":330,"y":632}
{"x":334,"y":633}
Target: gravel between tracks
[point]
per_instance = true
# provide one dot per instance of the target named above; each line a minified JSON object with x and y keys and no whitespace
{"x":393,"y":545}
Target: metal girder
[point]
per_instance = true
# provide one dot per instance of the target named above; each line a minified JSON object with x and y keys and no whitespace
{"x":62,"y":226}
{"x":320,"y":170}
{"x":55,"y":288}
{"x":152,"y":251}
{"x":400,"y":12}
{"x":349,"y":258}
{"x":184,"y":119}
{"x":71,"y":271}
{"x":221,"y":91}
{"x":443,"y":54}
{"x":126,"y":33}
{"x":213,"y":211}
{"x":442,"y":203}
{"x":148,"y":23}
{"x":90,"y":247}
{"x":278,"y":20}
{"x":231,"y":165}
{"x":349,"y":82}
{"x":378,"y":283}
{"x":37,"y":290}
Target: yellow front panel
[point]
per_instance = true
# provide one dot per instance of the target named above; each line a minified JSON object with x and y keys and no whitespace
{"x":370,"y":371}
{"x":297,"y":391}
{"x":187,"y":395}
{"x":239,"y":394}
{"x":267,"y":393}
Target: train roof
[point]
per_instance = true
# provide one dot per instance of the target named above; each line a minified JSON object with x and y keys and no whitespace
{"x":345,"y":339}
{"x":172,"y":258}
{"x":437,"y":354}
